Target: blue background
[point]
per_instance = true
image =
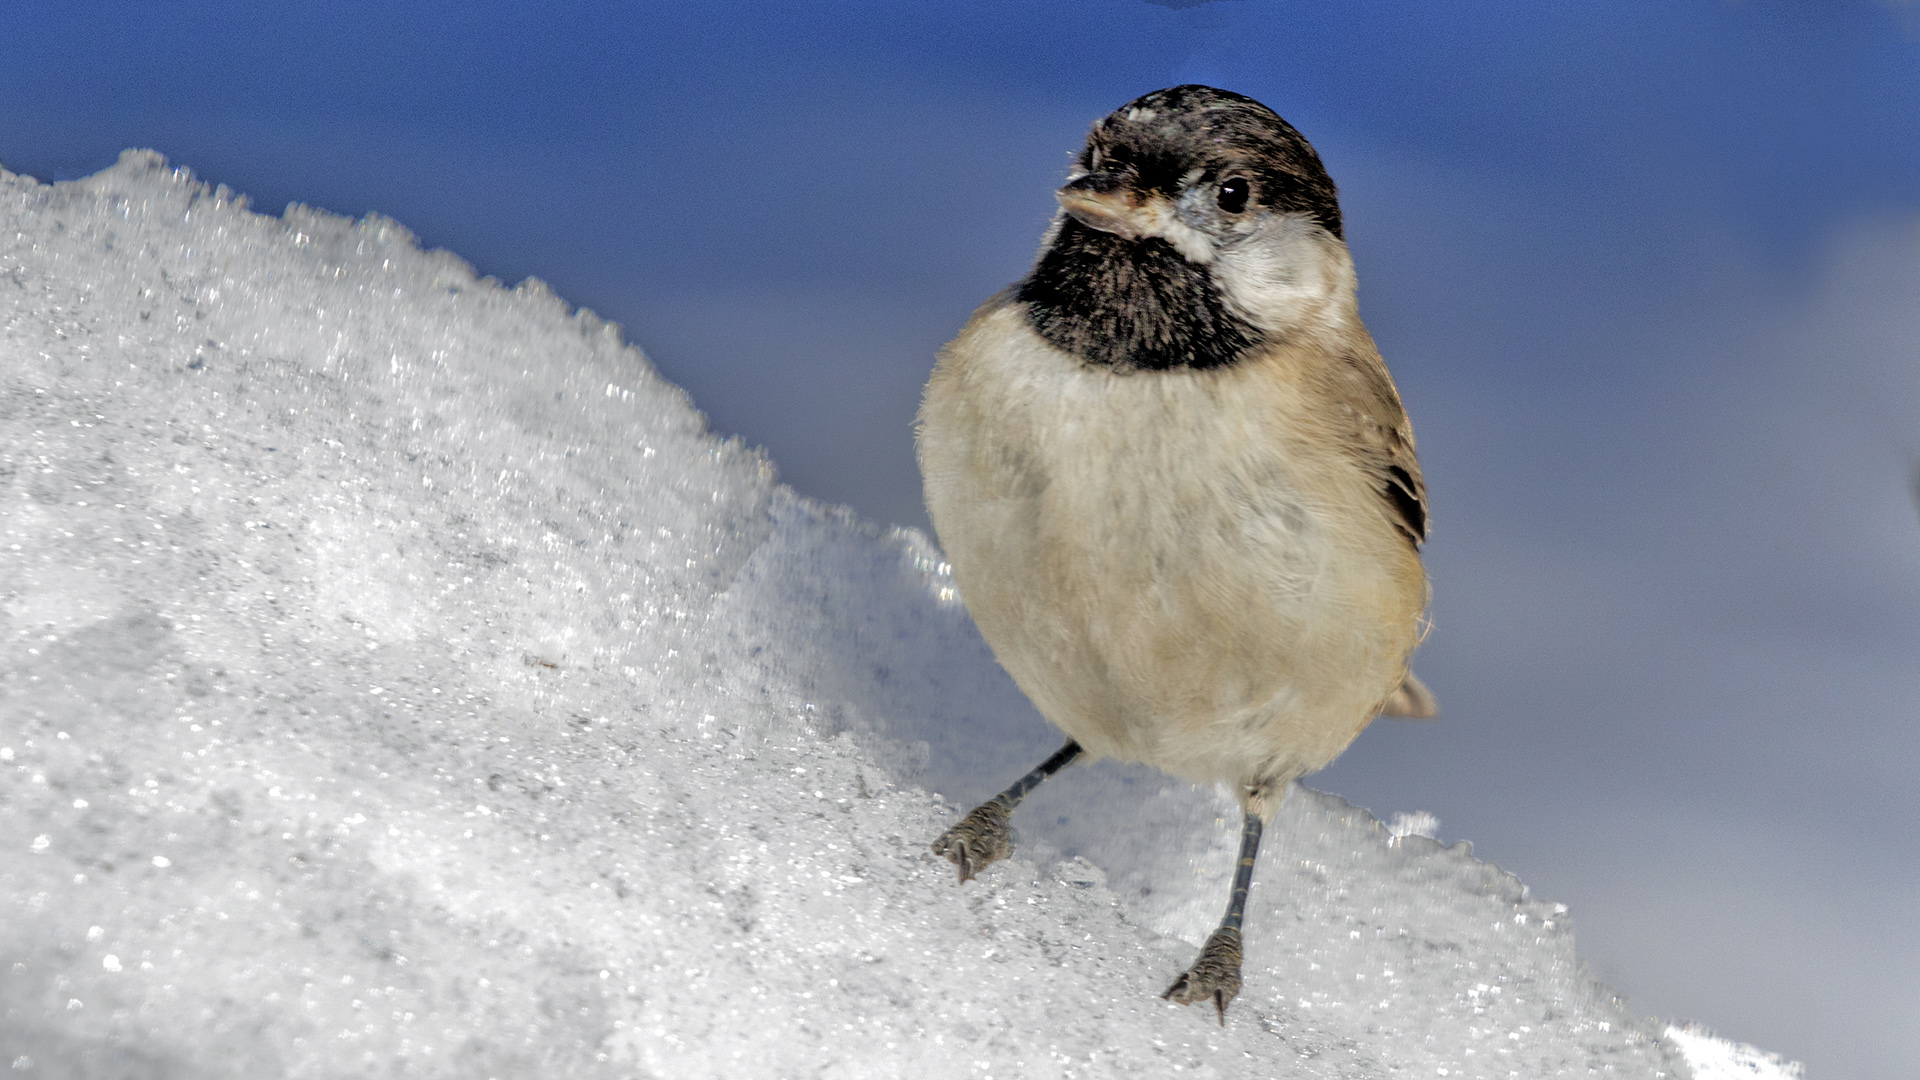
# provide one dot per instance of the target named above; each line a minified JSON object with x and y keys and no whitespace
{"x":1648,"y":275}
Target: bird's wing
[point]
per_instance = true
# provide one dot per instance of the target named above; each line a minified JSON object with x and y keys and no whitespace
{"x":1383,"y":446}
{"x":1382,"y":437}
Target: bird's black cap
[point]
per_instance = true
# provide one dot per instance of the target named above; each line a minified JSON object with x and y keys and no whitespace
{"x":1163,"y":135}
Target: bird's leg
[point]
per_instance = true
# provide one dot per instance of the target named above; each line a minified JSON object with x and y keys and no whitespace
{"x":985,"y":835}
{"x":1215,"y":976}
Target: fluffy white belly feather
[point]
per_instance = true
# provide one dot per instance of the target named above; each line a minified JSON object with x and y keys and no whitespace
{"x":1162,"y":560}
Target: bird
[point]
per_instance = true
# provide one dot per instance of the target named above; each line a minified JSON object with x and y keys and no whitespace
{"x":1175,"y":483}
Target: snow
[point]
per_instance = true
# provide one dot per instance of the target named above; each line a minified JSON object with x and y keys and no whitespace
{"x":1714,"y":1058}
{"x":397,"y":678}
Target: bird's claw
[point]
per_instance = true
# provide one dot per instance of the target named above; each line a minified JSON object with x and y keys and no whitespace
{"x":982,"y":838}
{"x":1215,"y":976}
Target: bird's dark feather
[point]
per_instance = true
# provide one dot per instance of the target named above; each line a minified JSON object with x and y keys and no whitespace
{"x":1130,"y":305}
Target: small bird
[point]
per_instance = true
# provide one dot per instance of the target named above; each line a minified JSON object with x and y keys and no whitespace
{"x":1175,"y":482}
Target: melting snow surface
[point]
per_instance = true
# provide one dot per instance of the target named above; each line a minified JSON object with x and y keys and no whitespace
{"x":397,"y":678}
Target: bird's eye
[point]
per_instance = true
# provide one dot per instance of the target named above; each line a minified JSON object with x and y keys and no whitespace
{"x":1233,"y":194}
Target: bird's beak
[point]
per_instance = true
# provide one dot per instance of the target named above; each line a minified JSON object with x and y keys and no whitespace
{"x":1102,"y":201}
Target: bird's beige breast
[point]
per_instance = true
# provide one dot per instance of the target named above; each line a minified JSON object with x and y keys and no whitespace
{"x":1177,"y":567}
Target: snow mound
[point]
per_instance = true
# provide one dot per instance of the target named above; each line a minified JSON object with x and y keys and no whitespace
{"x":397,"y":678}
{"x":1714,"y":1058}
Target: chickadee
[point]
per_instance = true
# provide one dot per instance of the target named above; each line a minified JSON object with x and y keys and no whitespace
{"x":1175,"y":481}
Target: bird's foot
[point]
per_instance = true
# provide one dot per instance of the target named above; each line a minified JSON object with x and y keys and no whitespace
{"x":983,"y":837}
{"x":1214,"y":977}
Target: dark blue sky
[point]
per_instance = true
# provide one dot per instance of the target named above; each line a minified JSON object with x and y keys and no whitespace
{"x":1648,"y":275}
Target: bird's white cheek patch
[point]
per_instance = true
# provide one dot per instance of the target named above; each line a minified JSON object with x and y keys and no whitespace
{"x":1194,"y":246}
{"x":1158,"y":218}
{"x":1286,"y":280}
